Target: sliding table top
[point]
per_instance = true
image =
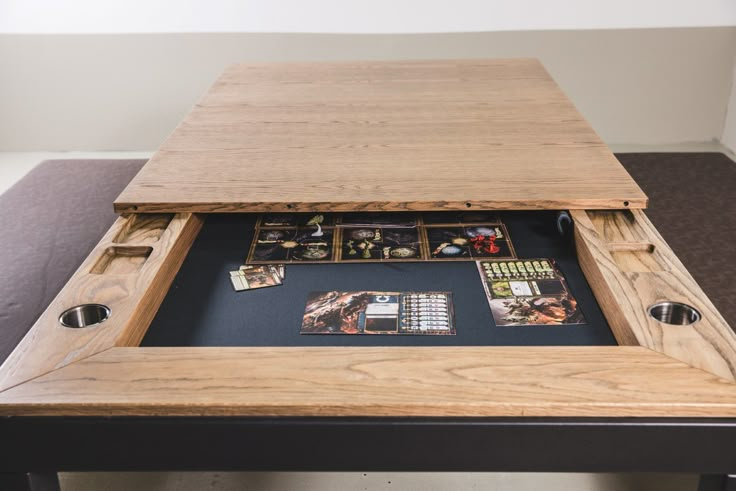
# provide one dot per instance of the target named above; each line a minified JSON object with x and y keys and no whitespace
{"x":423,"y":135}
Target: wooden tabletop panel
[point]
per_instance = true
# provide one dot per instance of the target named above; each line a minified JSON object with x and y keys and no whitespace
{"x":435,"y":381}
{"x":425,"y":135}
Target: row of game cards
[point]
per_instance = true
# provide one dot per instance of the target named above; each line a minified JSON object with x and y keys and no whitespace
{"x":379,"y":237}
{"x":528,"y":292}
{"x":370,"y":312}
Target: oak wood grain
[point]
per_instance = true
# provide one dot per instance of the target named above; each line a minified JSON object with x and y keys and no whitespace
{"x":421,"y":135}
{"x":627,"y":280}
{"x":133,"y":289}
{"x":339,"y":381}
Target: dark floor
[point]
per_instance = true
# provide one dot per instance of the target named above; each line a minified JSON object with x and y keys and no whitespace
{"x":692,"y":202}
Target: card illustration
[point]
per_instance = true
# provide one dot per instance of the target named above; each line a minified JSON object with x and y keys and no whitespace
{"x":536,"y":311}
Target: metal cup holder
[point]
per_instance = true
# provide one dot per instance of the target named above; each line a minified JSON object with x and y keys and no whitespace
{"x":85,"y":315}
{"x":674,"y":313}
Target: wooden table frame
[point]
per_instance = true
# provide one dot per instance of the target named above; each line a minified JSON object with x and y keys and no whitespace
{"x":657,"y":371}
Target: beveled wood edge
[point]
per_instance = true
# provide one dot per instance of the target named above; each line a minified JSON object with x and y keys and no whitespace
{"x":393,"y":381}
{"x":133,"y":297}
{"x":607,"y":185}
{"x":291,"y":206}
{"x":625,"y":296}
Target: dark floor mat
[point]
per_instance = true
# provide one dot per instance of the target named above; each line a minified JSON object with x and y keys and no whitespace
{"x":691,"y":202}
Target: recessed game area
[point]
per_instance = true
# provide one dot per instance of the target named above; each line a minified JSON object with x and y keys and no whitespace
{"x":202,"y":309}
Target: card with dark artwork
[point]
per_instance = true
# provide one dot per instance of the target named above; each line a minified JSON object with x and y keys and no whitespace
{"x":423,"y":313}
{"x":469,"y":242}
{"x":460,"y":217}
{"x":288,"y":245}
{"x":528,"y":292}
{"x":380,"y":244}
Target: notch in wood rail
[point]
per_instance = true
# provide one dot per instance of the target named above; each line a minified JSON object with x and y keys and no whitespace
{"x":631,"y":269}
{"x":122,"y":260}
{"x":637,"y":257}
{"x":128,"y":273}
{"x":627,"y":240}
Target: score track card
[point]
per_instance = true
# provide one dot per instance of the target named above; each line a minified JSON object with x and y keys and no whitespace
{"x":528,"y":292}
{"x":416,"y":313}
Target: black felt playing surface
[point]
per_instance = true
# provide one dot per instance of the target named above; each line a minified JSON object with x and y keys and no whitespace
{"x":202,"y":309}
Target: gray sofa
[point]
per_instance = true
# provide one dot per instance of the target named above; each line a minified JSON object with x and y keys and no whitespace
{"x":49,"y":221}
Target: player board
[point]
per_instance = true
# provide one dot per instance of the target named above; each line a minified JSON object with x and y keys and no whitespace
{"x":379,"y":237}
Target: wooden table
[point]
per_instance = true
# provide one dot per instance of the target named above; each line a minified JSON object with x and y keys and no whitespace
{"x":390,"y":136}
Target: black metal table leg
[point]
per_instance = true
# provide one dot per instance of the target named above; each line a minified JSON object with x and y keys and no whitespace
{"x":29,"y":481}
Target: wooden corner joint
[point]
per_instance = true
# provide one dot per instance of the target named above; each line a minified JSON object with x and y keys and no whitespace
{"x":123,"y":281}
{"x":634,"y":274}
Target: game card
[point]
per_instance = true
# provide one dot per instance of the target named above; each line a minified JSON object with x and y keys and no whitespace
{"x":380,"y":244}
{"x":277,"y":245}
{"x":253,"y":277}
{"x":528,"y":292}
{"x":418,"y":313}
{"x":469,"y":242}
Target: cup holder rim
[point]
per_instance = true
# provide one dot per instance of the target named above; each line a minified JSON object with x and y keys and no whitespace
{"x":689,"y":309}
{"x":103,"y":308}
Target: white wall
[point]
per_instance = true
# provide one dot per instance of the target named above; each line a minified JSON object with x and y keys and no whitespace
{"x":119,"y":74}
{"x":728,"y":138}
{"x":355,"y":16}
